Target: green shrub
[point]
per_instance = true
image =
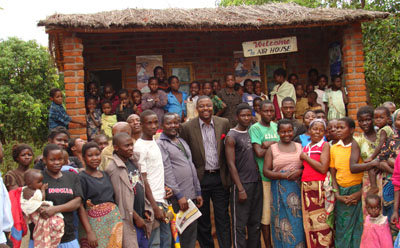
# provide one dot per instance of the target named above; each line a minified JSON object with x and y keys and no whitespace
{"x":27,"y":73}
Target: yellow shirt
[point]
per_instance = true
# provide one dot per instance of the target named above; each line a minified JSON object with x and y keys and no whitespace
{"x":301,"y":107}
{"x":340,"y":160}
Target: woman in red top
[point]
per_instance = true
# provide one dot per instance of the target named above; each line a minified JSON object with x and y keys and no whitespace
{"x":315,"y":158}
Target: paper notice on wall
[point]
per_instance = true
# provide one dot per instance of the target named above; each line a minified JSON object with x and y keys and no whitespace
{"x":144,"y":69}
{"x":184,"y":219}
{"x":245,"y":67}
{"x":269,"y":47}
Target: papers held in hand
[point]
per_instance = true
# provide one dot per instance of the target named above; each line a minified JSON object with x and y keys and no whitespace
{"x":184,"y":219}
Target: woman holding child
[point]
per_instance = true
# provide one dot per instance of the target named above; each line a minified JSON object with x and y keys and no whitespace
{"x":283,"y":166}
{"x":64,"y":190}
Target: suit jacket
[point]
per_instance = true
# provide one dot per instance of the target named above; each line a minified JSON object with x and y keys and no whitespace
{"x":191,"y":133}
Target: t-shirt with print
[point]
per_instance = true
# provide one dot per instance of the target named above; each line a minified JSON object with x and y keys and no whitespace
{"x":260,"y":133}
{"x":138,"y":188}
{"x":244,"y":156}
{"x":61,"y":191}
{"x":147,"y":156}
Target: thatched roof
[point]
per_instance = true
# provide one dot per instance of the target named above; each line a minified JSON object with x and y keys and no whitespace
{"x":254,"y":16}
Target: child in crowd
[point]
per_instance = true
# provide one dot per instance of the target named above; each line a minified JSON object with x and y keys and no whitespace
{"x":248,"y":94}
{"x":136,"y":97}
{"x":94,"y":92}
{"x":331,"y":134}
{"x":194,"y":89}
{"x":322,"y":83}
{"x":313,"y":77}
{"x":263,"y":134}
{"x":281,"y":90}
{"x":125,"y":108}
{"x":159,"y":73}
{"x":93,"y":118}
{"x":109,"y":94}
{"x":218,"y":105}
{"x":301,"y":102}
{"x":231,"y":98}
{"x":148,"y":158}
{"x":392,"y":107}
{"x":320,"y":114}
{"x":293,"y":79}
{"x":101,"y":140}
{"x":238,"y":88}
{"x":335,"y":99}
{"x":305,"y":138}
{"x":381,"y":119}
{"x":23,"y":155}
{"x":256,"y":109}
{"x":216,"y":86}
{"x":312,"y":101}
{"x":246,"y":192}
{"x":57,"y":114}
{"x":98,"y":230}
{"x":258,"y":90}
{"x":376,"y":233}
{"x":47,"y":232}
{"x":176,"y":102}
{"x":347,"y":188}
{"x":108,"y":119}
{"x":309,"y":89}
{"x":155,"y":100}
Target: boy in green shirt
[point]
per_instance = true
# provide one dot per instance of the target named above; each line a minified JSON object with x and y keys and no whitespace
{"x":263,"y":134}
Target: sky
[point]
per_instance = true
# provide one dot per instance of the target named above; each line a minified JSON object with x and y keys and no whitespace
{"x":20,"y":17}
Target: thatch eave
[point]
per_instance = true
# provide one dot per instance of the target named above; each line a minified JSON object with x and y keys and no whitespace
{"x":267,"y":16}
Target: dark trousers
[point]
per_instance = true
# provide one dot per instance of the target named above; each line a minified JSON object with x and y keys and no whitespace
{"x":188,"y":238}
{"x":247,"y":214}
{"x":211,"y":188}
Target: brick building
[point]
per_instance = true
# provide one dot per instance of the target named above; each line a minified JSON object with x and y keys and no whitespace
{"x":106,"y":44}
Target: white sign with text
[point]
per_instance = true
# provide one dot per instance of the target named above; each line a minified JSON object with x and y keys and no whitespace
{"x":269,"y":47}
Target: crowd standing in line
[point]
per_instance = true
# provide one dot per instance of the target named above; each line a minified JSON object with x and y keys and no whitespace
{"x":289,"y":169}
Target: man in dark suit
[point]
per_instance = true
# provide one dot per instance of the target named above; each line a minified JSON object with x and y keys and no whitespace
{"x":205,"y":135}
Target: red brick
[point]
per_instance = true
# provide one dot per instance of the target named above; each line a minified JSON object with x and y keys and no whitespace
{"x":81,"y":86}
{"x":72,"y":53}
{"x":361,"y":93}
{"x":70,"y":99}
{"x":77,"y":131}
{"x":72,"y":112}
{"x":68,"y":47}
{"x":69,"y":74}
{"x":69,"y":86}
{"x":81,"y":73}
{"x":71,"y":79}
{"x":79,"y":59}
{"x":360,"y":69}
{"x":75,"y":105}
{"x":73,"y":67}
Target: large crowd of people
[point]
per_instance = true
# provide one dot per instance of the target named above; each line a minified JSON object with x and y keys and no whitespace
{"x":283,"y":168}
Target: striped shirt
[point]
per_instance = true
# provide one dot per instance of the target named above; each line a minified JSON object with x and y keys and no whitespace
{"x":210,"y":145}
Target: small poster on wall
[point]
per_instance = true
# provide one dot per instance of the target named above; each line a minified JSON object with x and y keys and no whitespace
{"x":246,"y":67}
{"x":144,"y":69}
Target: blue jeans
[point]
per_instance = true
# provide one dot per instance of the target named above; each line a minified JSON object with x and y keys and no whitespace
{"x":161,"y":236}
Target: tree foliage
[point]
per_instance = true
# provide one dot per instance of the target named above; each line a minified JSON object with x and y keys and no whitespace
{"x":27,"y":73}
{"x":382,"y":60}
{"x":381,"y":43}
